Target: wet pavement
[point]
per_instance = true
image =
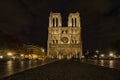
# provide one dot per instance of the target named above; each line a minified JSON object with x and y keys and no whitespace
{"x":106,"y":63}
{"x":11,"y":67}
{"x":67,"y":70}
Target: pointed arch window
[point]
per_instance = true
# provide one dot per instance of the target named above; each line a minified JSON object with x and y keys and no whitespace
{"x":75,"y":22}
{"x":72,"y":22}
{"x":56,"y":41}
{"x":56,"y":22}
{"x":53,"y":41}
{"x":53,"y":22}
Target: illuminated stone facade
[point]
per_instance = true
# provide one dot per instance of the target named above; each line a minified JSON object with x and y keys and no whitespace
{"x":64,"y":42}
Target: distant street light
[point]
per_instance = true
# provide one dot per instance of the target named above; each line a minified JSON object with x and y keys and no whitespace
{"x":22,"y":55}
{"x":1,"y":57}
{"x":95,"y":56}
{"x":97,"y":51}
{"x":42,"y":50}
{"x":102,"y":55}
{"x":9,"y":54}
{"x":111,"y":54}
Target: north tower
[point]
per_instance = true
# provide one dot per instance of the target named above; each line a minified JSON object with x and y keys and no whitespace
{"x":64,"y":41}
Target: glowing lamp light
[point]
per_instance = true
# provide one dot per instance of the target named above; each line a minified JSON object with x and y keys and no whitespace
{"x":111,"y":54}
{"x":1,"y":57}
{"x":95,"y":56}
{"x":42,"y":50}
{"x":9,"y":54}
{"x":22,"y":55}
{"x":97,"y":51}
{"x":102,"y":55}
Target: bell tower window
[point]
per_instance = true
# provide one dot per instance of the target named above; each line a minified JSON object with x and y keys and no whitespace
{"x":56,"y":22}
{"x":75,"y":22}
{"x":53,"y":22}
{"x":72,"y":22}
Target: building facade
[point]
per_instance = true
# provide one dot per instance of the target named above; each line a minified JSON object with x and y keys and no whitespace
{"x":64,"y":41}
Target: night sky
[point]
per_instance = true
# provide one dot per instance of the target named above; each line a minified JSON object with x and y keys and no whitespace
{"x":28,"y":20}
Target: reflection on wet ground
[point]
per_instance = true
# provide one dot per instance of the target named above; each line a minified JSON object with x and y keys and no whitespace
{"x":106,"y":63}
{"x":11,"y":67}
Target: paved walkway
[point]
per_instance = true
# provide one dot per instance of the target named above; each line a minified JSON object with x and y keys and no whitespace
{"x":67,"y":70}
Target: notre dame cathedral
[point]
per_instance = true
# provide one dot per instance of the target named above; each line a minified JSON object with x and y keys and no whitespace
{"x":64,"y":41}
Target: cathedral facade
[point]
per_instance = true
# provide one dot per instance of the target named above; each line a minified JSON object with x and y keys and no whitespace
{"x":64,"y":41}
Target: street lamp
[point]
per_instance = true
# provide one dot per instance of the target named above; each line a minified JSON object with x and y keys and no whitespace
{"x":102,"y":55}
{"x":22,"y":55}
{"x":42,"y":50}
{"x":1,"y":57}
{"x":111,"y":55}
{"x":9,"y":54}
{"x":97,"y":51}
{"x":95,"y":56}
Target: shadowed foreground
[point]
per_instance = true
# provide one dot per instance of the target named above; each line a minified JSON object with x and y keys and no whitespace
{"x":67,"y":70}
